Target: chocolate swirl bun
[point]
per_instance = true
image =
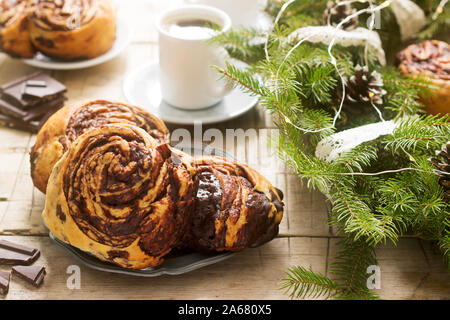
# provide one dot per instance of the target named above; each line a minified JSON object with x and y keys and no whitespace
{"x":120,"y":195}
{"x":63,"y":127}
{"x":14,"y":34}
{"x":73,"y":29}
{"x":430,"y":58}
{"x":235,"y":208}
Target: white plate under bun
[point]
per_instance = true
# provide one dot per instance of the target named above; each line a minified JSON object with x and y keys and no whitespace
{"x":123,"y":39}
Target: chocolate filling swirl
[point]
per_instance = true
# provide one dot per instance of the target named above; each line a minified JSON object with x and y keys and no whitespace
{"x":121,"y":186}
{"x":63,"y":15}
{"x":101,"y":112}
{"x":11,"y":11}
{"x":430,"y":57}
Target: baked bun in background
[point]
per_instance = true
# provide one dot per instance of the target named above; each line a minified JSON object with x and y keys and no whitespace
{"x":63,"y":127}
{"x":14,"y":33}
{"x":235,"y":207}
{"x":72,"y":29}
{"x":430,"y":58}
{"x":120,"y":195}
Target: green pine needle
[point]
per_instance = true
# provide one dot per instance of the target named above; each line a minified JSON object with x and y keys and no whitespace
{"x":302,"y":283}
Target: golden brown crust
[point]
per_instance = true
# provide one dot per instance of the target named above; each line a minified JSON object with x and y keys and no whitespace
{"x":62,"y":128}
{"x":14,"y":32}
{"x":120,"y":195}
{"x":430,"y":58}
{"x":236,"y":207}
{"x":73,"y":29}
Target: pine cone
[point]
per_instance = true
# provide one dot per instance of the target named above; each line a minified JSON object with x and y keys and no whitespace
{"x":336,"y":12}
{"x":363,"y":87}
{"x":443,"y":167}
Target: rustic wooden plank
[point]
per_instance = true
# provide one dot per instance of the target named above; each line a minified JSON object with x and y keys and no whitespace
{"x":306,"y":211}
{"x":253,"y":273}
{"x":407,"y":273}
{"x":9,"y":166}
{"x":13,"y":141}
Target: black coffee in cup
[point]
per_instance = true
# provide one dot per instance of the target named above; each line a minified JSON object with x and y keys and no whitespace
{"x":193,"y":29}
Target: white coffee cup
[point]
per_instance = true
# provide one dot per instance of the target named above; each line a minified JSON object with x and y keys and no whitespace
{"x":188,"y":80}
{"x":243,"y":13}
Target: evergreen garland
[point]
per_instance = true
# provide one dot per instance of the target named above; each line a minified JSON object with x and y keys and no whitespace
{"x":302,"y":92}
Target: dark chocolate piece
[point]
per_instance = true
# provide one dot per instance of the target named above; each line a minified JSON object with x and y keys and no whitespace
{"x":11,"y":110}
{"x":35,"y":83}
{"x":19,"y":94}
{"x":19,"y":124}
{"x":17,"y":247}
{"x":12,"y":253}
{"x":32,"y":274}
{"x":43,"y":109}
{"x":5,"y":278}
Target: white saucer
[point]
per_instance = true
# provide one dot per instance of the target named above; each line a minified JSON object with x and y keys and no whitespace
{"x":142,"y":88}
{"x":123,"y":39}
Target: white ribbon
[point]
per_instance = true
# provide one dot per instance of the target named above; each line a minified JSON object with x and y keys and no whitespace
{"x":357,"y":37}
{"x":332,"y":147}
{"x":410,"y":17}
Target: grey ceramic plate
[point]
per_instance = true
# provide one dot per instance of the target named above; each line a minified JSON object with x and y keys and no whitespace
{"x":142,"y":88}
{"x":176,"y":263}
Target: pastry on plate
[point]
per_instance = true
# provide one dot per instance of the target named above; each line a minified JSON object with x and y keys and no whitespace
{"x":120,"y":195}
{"x":72,"y":29}
{"x":235,"y":207}
{"x":14,"y":32}
{"x":63,"y":127}
{"x":430,"y":58}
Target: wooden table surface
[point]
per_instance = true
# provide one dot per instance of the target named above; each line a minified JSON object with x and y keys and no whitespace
{"x":411,"y":270}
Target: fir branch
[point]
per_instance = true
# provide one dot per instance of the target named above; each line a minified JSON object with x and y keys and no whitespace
{"x":349,"y":272}
{"x":243,"y":79}
{"x":444,"y":242}
{"x":300,"y":90}
{"x":423,"y":133}
{"x":355,"y":217}
{"x":350,"y":269}
{"x":302,"y":283}
{"x":245,"y":44}
{"x":358,"y":158}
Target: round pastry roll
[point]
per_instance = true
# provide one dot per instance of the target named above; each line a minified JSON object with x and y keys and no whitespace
{"x":63,"y":127}
{"x":121,"y":196}
{"x":430,"y":58}
{"x":72,"y":29}
{"x":235,"y":207}
{"x":14,"y":34}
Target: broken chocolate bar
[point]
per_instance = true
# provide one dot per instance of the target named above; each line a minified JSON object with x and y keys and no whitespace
{"x":27,"y":103}
{"x":19,"y":124}
{"x":33,"y":274}
{"x":43,"y":109}
{"x":23,"y":95}
{"x":12,"y":253}
{"x":5,"y":278}
{"x":17,"y":247}
{"x":9,"y":109}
